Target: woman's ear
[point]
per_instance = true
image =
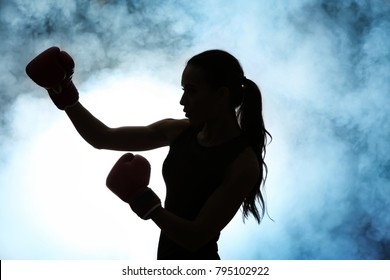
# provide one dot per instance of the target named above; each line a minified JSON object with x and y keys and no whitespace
{"x":223,"y":96}
{"x":224,"y":92}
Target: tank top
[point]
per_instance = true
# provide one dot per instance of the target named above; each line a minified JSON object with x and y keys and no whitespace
{"x":192,"y":173}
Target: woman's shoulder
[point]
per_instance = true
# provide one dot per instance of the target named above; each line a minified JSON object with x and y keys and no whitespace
{"x":171,"y":128}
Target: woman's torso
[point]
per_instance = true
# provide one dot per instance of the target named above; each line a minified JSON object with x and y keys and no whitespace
{"x":192,"y":173}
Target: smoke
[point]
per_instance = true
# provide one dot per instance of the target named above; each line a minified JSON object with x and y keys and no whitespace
{"x":337,"y":131}
{"x":324,"y":71}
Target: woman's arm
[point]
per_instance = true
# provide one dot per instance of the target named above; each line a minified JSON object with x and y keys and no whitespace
{"x":130,"y":138}
{"x":218,"y":210}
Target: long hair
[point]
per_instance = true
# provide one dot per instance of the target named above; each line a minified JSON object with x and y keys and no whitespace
{"x":224,"y":70}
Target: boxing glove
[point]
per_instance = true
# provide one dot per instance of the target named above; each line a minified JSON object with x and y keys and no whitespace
{"x":129,"y":179}
{"x":53,"y":69}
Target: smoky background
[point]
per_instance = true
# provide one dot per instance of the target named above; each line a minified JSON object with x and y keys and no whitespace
{"x":324,"y":71}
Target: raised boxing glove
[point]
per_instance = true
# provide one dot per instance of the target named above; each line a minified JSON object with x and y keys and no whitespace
{"x":53,"y":69}
{"x":129,"y":179}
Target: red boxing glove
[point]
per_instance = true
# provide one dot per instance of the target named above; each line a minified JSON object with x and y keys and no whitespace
{"x":53,"y":70}
{"x":128,"y":179}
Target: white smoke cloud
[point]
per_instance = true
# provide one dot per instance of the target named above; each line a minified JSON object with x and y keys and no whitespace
{"x":323,"y":67}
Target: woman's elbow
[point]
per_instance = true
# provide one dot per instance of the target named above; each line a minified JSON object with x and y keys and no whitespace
{"x":98,"y":141}
{"x":97,"y":145}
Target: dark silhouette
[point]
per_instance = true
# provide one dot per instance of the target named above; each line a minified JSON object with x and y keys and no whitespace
{"x":215,"y":164}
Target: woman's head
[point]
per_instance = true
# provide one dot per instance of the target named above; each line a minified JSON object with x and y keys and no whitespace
{"x":221,"y":69}
{"x":212,"y":83}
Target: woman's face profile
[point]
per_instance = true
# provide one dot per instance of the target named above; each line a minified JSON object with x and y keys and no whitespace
{"x":199,"y":98}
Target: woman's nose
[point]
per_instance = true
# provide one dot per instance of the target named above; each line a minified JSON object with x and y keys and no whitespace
{"x":182,"y":100}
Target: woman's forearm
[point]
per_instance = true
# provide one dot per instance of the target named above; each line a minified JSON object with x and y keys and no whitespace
{"x":188,"y":234}
{"x":88,"y":126}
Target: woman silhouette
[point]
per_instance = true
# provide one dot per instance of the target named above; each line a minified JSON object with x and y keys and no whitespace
{"x":215,"y":164}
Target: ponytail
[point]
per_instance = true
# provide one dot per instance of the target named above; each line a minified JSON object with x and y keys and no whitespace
{"x":250,"y":117}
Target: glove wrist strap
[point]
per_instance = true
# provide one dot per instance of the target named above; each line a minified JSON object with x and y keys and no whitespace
{"x":145,"y":202}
